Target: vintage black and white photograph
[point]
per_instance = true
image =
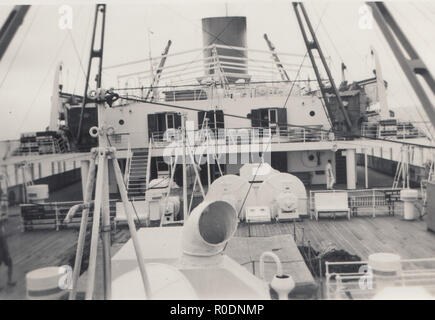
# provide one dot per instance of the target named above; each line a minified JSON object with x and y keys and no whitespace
{"x":217,"y":150}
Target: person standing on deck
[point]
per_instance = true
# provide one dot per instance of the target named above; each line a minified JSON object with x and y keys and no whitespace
{"x":5,"y":256}
{"x":329,"y":173}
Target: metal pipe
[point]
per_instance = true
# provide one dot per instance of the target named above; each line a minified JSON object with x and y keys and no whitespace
{"x":95,"y":226}
{"x":72,"y":212}
{"x":131,"y":226}
{"x":183,"y":156}
{"x":90,"y":182}
{"x":172,"y":166}
{"x":197,"y":177}
{"x":106,"y":234}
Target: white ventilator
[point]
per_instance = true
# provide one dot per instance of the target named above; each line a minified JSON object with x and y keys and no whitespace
{"x":155,"y":198}
{"x":260,"y":197}
{"x":189,"y":262}
{"x":285,"y":195}
{"x":257,"y":171}
{"x":209,"y":227}
{"x":230,"y":188}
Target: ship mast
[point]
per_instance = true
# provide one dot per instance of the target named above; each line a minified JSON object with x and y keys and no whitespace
{"x":100,"y":13}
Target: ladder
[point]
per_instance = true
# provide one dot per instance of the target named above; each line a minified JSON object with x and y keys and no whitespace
{"x":137,"y":173}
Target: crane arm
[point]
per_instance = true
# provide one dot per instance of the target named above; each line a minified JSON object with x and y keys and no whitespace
{"x":10,"y":27}
{"x":159,"y":72}
{"x":280,"y":67}
{"x":314,"y":45}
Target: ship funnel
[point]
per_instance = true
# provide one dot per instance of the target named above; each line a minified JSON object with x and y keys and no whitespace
{"x":208,"y":228}
{"x":229,"y":35}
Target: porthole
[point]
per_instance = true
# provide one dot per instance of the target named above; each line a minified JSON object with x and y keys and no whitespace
{"x":121,"y":122}
{"x":312,"y":113}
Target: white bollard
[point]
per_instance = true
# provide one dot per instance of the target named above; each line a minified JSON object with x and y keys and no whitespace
{"x":386,"y":268}
{"x":45,"y":283}
{"x":409,"y":196}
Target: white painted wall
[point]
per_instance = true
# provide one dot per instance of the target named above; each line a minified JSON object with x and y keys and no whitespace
{"x":136,"y":121}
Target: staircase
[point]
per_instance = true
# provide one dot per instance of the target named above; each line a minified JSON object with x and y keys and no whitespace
{"x":137,"y":172}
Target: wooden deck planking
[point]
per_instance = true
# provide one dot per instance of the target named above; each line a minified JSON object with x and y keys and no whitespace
{"x":32,"y":250}
{"x":37,"y":249}
{"x":361,"y":235}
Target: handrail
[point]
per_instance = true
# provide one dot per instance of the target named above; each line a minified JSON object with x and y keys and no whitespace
{"x":128,"y":163}
{"x":229,"y":136}
{"x":148,"y":173}
{"x":361,"y":282}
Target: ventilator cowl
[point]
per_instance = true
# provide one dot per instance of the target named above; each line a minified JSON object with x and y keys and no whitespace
{"x":208,"y":228}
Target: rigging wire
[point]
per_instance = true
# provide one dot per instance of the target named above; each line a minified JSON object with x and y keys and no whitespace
{"x":83,"y":50}
{"x":49,"y":70}
{"x":202,"y":85}
{"x":412,"y":25}
{"x":76,"y":52}
{"x":329,"y":37}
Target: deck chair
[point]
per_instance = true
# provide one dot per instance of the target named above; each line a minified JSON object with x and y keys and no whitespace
{"x":331,"y":202}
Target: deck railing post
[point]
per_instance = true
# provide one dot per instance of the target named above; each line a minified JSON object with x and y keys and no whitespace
{"x":374,"y":204}
{"x":56,"y":213}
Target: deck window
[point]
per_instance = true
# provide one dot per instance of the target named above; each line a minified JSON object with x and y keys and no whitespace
{"x":160,"y":122}
{"x":215,"y":119}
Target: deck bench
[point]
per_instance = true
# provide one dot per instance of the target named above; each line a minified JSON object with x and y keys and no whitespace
{"x":331,"y":202}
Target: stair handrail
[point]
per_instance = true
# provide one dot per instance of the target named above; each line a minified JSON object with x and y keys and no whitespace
{"x":128,"y":163}
{"x":148,"y":173}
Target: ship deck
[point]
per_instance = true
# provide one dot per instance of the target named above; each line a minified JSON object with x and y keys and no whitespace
{"x":361,"y":236}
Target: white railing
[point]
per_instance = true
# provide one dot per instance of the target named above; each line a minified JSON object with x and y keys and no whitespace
{"x":367,"y":201}
{"x":363,"y":284}
{"x":404,"y":130}
{"x":194,"y":93}
{"x":52,"y":214}
{"x":233,"y":136}
{"x":41,"y":145}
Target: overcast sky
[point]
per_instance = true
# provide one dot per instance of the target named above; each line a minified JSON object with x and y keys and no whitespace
{"x":27,"y":68}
